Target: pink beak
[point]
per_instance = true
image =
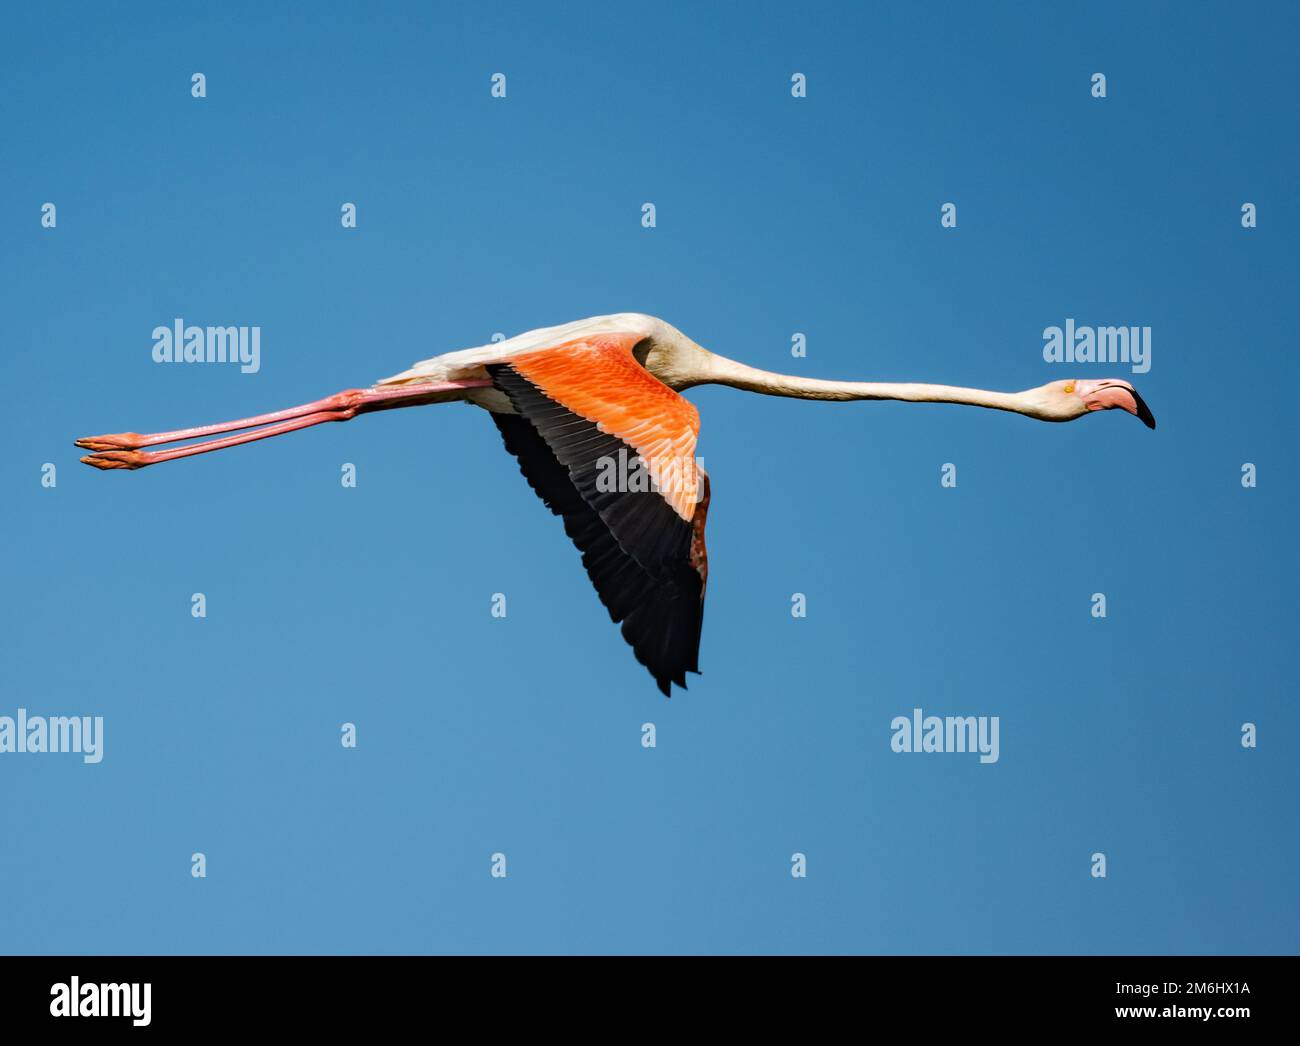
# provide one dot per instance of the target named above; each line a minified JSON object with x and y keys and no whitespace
{"x":1110,"y":392}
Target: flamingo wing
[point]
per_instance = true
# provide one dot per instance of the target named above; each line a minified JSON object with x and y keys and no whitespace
{"x":586,"y":412}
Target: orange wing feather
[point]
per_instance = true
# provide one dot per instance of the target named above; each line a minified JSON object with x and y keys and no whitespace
{"x":599,"y":379}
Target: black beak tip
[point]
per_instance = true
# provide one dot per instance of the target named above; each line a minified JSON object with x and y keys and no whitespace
{"x":1144,"y":412}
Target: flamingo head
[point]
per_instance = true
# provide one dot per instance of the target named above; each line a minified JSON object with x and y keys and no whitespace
{"x":1067,"y":400}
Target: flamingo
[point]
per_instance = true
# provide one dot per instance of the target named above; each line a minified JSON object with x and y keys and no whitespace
{"x":571,"y":401}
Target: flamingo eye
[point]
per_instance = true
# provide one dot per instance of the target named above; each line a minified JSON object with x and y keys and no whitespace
{"x":1069,"y":386}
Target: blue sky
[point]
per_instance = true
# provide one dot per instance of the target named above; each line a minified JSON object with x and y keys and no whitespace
{"x":522,"y":735}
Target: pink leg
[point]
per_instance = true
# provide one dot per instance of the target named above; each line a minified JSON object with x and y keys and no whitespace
{"x":121,"y":450}
{"x":348,"y":398}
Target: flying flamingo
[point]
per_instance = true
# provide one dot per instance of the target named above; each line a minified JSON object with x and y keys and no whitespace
{"x":577,"y":405}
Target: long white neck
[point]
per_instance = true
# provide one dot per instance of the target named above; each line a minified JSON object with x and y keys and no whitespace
{"x":723,"y":371}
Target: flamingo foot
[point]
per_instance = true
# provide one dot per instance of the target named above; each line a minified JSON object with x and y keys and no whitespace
{"x":117,"y":441}
{"x":116,"y":459}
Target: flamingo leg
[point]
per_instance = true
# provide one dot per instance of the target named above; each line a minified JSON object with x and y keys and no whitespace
{"x":123,"y":450}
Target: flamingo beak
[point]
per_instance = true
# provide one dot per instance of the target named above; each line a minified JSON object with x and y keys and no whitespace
{"x":1110,"y":392}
